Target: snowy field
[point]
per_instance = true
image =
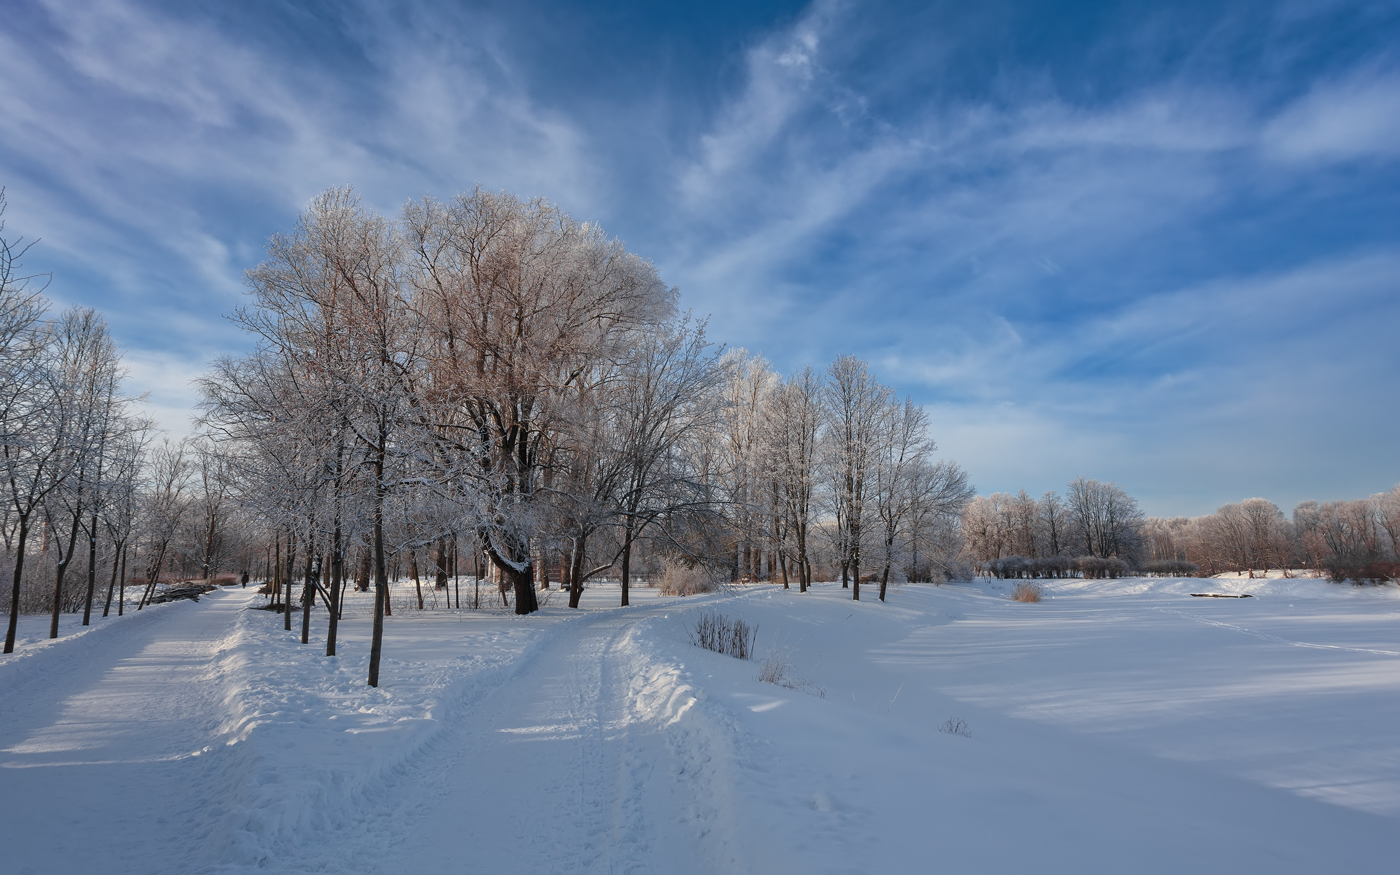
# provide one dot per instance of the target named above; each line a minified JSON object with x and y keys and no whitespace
{"x":1117,"y":726}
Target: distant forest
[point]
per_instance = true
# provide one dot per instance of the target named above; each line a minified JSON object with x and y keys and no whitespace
{"x":1098,"y":530}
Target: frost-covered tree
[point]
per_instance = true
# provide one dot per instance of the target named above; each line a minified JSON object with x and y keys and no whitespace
{"x":792,"y":423}
{"x":519,"y":305}
{"x":855,"y":405}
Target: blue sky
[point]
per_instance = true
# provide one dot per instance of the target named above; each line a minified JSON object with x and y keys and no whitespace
{"x":1157,"y":244}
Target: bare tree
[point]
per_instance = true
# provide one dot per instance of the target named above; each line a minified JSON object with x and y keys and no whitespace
{"x":1106,"y":520}
{"x":36,"y":459}
{"x":168,"y":476}
{"x":903,"y":448}
{"x":854,"y":404}
{"x":670,"y":392}
{"x":793,"y":423}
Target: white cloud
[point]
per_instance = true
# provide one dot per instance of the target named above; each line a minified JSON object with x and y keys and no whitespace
{"x":1351,"y":118}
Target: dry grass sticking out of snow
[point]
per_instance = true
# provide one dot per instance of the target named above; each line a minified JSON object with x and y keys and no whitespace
{"x":680,"y":580}
{"x":1026,"y":592}
{"x":777,"y":670}
{"x":724,"y":635}
{"x":955,"y":726}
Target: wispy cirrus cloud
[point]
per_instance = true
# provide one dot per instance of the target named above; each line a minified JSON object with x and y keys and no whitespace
{"x":1093,"y":241}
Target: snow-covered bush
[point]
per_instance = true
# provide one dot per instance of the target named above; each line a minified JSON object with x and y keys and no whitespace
{"x":1099,"y":568}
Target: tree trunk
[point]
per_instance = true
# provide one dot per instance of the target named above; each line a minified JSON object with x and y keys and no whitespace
{"x":381,"y":580}
{"x":413,"y":571}
{"x":152,"y":577}
{"x":112,"y":584}
{"x":626,"y":566}
{"x":121,"y":584}
{"x":337,"y":576}
{"x":14,"y":591}
{"x":92,"y":570}
{"x":289,"y":574}
{"x":276,"y":581}
{"x":308,"y":595}
{"x":576,"y":570}
{"x":59,"y":575}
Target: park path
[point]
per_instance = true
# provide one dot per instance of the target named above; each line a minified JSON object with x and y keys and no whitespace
{"x":110,"y":729}
{"x":580,"y":763}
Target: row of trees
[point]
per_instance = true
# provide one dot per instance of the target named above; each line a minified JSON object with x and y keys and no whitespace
{"x":1020,"y":536}
{"x":71,"y":441}
{"x":1093,"y":519}
{"x":1357,"y":539}
{"x":488,"y":371}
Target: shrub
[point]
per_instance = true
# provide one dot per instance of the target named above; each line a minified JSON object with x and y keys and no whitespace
{"x":724,"y":635}
{"x":681,"y":579}
{"x":1170,"y":568}
{"x":1022,"y":568}
{"x":1098,"y":568}
{"x":1360,"y":573}
{"x":1026,"y":592}
{"x":956,"y":726}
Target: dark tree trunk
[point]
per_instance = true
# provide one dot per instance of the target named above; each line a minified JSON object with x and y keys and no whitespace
{"x":580,"y":552}
{"x":112,"y":584}
{"x":521,"y":579}
{"x":276,"y":571}
{"x":381,"y":580}
{"x":59,"y":574}
{"x":92,"y":570}
{"x":626,"y":568}
{"x":413,"y":570}
{"x":288,"y":575}
{"x":23,"y":536}
{"x":337,"y":577}
{"x":121,"y":584}
{"x":308,"y":594}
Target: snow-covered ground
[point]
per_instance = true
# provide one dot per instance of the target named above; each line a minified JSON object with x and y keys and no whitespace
{"x":1116,"y":726}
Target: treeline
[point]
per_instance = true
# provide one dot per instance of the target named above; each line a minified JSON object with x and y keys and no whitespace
{"x":1098,"y":530}
{"x":1355,"y":540}
{"x":1095,"y":521}
{"x":490,"y":374}
{"x":72,"y":446}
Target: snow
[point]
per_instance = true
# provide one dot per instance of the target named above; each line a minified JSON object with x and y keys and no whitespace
{"x":1115,"y":726}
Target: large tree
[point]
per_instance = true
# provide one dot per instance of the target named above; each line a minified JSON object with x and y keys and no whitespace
{"x":519,"y":304}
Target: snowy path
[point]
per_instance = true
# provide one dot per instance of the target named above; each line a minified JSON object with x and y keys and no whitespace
{"x":109,"y":729}
{"x":558,"y":770}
